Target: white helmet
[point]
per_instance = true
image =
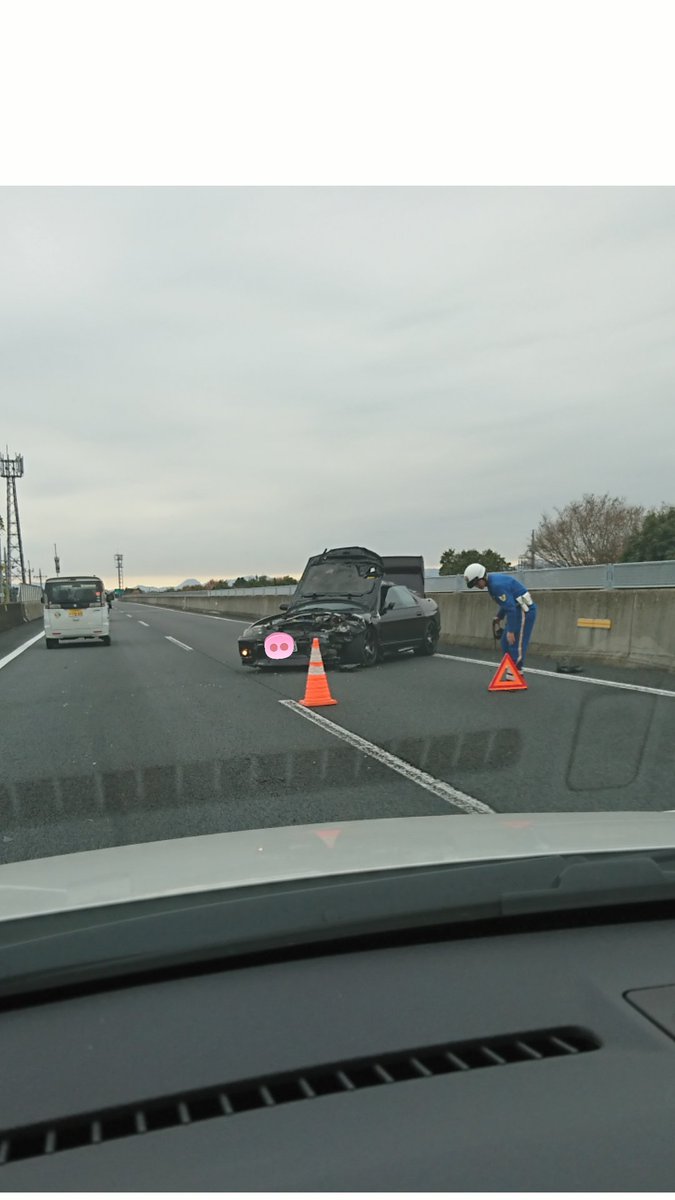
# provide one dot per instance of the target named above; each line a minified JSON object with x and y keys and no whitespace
{"x":473,"y":573}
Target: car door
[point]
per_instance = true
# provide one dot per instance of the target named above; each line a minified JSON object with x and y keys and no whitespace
{"x":401,"y":620}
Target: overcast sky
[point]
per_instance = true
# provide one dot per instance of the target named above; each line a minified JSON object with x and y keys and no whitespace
{"x":223,"y":381}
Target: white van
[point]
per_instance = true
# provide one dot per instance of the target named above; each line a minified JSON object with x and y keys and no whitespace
{"x":75,"y":607}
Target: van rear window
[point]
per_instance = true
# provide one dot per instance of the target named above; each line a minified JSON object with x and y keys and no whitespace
{"x":74,"y":593}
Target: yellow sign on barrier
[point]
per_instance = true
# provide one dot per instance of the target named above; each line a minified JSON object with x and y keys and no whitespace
{"x":594,"y":623}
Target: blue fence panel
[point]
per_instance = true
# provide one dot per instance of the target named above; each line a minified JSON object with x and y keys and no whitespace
{"x":608,"y":575}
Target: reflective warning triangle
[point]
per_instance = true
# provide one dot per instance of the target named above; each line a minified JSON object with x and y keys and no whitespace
{"x":329,"y":836}
{"x":507,"y":677}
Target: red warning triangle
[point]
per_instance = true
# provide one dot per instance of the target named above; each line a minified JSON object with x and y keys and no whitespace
{"x":507,"y":678}
{"x":329,"y":836}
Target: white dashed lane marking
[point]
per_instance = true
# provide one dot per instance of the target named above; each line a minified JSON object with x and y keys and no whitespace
{"x":439,"y":787}
{"x":241,"y":621}
{"x":177,"y":643}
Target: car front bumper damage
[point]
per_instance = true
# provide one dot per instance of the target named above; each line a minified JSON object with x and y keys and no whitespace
{"x":338,"y":645}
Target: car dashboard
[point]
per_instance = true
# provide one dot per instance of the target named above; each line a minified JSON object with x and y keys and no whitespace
{"x":518,"y":1059}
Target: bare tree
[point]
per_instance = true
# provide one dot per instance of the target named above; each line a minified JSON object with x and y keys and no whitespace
{"x":595,"y":529}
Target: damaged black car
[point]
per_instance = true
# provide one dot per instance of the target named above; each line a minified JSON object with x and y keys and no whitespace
{"x":360,"y":606}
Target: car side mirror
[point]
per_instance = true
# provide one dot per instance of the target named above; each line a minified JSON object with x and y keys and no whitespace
{"x":388,"y":606}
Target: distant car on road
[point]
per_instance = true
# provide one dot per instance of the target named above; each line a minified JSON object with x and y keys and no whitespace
{"x":361,"y":607}
{"x":74,"y":609}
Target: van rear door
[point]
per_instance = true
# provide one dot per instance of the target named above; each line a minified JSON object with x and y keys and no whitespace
{"x":75,"y":607}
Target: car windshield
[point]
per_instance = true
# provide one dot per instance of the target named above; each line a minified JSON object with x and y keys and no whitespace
{"x":340,"y":579}
{"x":328,"y":510}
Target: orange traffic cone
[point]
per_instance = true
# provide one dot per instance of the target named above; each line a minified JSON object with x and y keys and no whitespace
{"x":317,"y":692}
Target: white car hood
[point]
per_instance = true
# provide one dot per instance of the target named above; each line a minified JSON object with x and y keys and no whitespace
{"x":230,"y":860}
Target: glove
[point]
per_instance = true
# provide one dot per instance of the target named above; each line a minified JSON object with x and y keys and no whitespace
{"x":497,"y":628}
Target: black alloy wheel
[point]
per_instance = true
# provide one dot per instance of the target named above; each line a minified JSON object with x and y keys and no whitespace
{"x":430,"y":639}
{"x":371,"y":649}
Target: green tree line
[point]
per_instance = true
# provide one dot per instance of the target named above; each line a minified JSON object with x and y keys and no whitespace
{"x":585,"y":532}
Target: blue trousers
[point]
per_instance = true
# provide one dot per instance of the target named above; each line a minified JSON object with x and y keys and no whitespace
{"x":523,"y":635}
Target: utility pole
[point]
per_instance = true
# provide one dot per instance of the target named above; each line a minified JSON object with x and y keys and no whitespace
{"x":532,"y":550}
{"x":120,"y":574}
{"x":57,"y":561}
{"x":11,"y":469}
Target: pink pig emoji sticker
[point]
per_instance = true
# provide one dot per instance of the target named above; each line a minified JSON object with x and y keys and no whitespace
{"x":279,"y":645}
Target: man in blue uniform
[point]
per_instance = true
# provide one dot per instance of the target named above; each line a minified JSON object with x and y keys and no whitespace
{"x":515,"y":604}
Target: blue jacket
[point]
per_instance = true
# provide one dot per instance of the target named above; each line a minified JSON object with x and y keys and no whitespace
{"x":504,"y":589}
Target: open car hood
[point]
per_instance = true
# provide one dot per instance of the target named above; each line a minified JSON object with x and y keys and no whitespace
{"x":212,"y":862}
{"x":329,"y":573}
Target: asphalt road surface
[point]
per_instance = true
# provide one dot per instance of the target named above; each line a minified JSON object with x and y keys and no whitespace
{"x":164,"y":735}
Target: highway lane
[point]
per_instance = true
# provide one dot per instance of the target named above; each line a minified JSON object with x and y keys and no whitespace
{"x":144,"y":740}
{"x":563,"y":745}
{"x":147,"y":739}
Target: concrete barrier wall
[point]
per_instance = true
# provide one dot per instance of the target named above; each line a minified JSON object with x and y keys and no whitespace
{"x":222,"y":606}
{"x":34,"y":611}
{"x":12,"y":615}
{"x":653,"y":631}
{"x":642,"y":631}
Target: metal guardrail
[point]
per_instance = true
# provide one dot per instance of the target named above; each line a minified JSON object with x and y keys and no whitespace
{"x":657,"y":574}
{"x":609,"y":575}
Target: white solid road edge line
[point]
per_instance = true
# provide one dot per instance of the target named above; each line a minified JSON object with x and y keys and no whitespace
{"x":15,"y":653}
{"x":445,"y":791}
{"x":176,"y":642}
{"x":613,"y":683}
